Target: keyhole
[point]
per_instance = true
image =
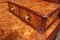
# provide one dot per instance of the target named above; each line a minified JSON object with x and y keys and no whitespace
{"x":27,"y":17}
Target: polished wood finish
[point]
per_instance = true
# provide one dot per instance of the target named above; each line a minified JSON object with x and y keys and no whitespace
{"x":40,"y":15}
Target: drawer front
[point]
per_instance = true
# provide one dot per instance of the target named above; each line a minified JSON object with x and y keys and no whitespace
{"x":14,"y":9}
{"x":31,"y":18}
{"x":51,"y":19}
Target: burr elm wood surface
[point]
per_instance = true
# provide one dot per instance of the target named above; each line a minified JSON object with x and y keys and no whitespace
{"x":42,"y":7}
{"x":12,"y":28}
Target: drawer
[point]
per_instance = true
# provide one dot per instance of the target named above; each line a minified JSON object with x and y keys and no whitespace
{"x":32,"y":18}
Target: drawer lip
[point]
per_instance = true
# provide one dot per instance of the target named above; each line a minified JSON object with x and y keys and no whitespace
{"x":35,"y":12}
